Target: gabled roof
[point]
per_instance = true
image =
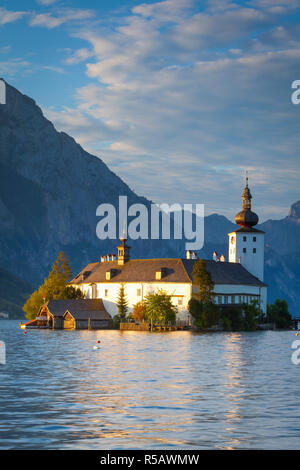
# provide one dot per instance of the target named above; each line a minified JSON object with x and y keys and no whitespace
{"x":80,"y":309}
{"x":175,"y":270}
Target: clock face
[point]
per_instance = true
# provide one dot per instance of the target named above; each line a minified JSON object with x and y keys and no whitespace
{"x":232,"y":240}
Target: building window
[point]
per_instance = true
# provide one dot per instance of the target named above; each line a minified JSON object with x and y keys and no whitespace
{"x":244,"y":239}
{"x":219,"y":299}
{"x":225,"y":299}
{"x":106,"y":293}
{"x":244,"y":250}
{"x":180,"y":301}
{"x":139,"y":292}
{"x":254,"y":250}
{"x":233,"y":299}
{"x":240,"y":299}
{"x":254,"y":239}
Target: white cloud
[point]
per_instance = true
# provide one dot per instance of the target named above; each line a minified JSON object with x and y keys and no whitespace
{"x":47,"y":2}
{"x":7,"y":16}
{"x":14,"y":67}
{"x":78,"y":56}
{"x":183,"y":102}
{"x":50,"y":21}
{"x":5,"y":49}
{"x":53,"y":68}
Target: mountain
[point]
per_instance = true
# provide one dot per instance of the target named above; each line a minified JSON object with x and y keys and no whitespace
{"x":49,"y":191}
{"x":50,"y":188}
{"x":13,"y":293}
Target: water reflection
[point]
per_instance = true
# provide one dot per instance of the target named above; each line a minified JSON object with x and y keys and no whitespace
{"x":143,"y":390}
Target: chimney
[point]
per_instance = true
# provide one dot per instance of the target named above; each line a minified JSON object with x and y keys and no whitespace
{"x":188,"y":254}
{"x":222,"y":258}
{"x":215,"y":256}
{"x":113,"y":257}
{"x":102,"y":259}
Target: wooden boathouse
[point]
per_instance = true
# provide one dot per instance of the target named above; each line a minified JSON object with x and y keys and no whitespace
{"x":72,"y":314}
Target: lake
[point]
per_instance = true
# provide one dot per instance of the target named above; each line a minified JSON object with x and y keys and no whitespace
{"x":140,"y":390}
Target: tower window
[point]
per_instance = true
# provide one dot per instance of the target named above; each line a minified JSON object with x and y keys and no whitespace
{"x":254,"y":239}
{"x":244,"y":250}
{"x":244,"y":239}
{"x":254,"y":250}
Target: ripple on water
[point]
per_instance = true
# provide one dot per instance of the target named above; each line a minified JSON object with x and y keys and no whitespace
{"x":148,"y":391}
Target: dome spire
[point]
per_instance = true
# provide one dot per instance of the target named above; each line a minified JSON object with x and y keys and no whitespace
{"x":246,"y":218}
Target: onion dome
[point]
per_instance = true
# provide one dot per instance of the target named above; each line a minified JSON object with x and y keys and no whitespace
{"x":246,"y":218}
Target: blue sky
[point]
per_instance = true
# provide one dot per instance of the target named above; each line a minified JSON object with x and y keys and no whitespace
{"x":178,"y":97}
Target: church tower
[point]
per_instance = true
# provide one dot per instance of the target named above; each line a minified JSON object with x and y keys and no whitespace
{"x":246,"y":244}
{"x":123,"y":251}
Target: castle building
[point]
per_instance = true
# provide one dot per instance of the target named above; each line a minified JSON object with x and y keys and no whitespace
{"x":236,"y":281}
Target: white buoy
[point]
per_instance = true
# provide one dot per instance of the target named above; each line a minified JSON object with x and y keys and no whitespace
{"x":96,"y":347}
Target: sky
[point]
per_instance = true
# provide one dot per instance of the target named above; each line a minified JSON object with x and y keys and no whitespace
{"x":178,"y":97}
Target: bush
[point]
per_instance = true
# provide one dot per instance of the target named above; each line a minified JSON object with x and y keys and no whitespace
{"x":205,"y":315}
{"x":279,"y":314}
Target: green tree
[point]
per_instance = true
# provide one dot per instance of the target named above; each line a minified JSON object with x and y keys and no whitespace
{"x":54,"y":287}
{"x":56,"y":281}
{"x":122,"y":303}
{"x":202,"y":279}
{"x":205,"y":315}
{"x":195,"y":308}
{"x":278,"y":313}
{"x":252,"y":315}
{"x":159,"y":308}
{"x":202,"y":307}
{"x":232,"y":318}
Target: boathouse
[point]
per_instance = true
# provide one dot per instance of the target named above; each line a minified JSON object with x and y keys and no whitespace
{"x":73,"y":314}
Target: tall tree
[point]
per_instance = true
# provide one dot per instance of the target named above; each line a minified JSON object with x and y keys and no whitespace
{"x":202,"y":307}
{"x":54,"y":287}
{"x":122,"y":303}
{"x":202,"y":279}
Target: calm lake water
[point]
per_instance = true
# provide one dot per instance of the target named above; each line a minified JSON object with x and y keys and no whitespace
{"x":178,"y":390}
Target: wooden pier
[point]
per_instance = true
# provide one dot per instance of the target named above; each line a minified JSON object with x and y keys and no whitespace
{"x":131,"y":326}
